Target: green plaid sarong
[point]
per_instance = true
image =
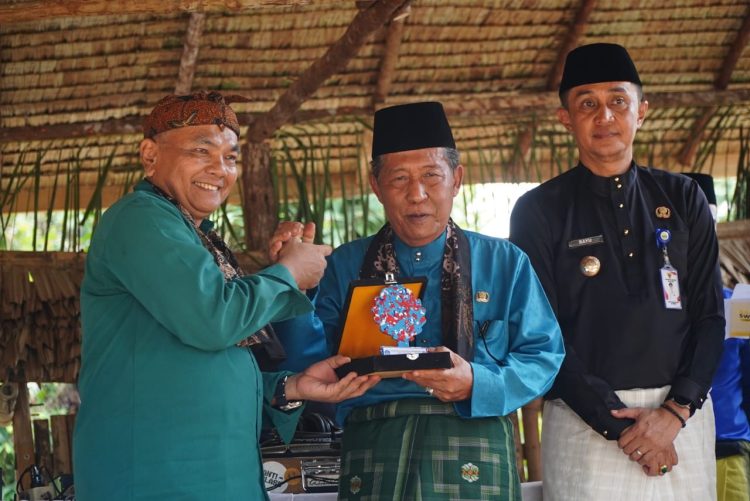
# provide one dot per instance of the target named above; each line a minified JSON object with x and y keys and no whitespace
{"x":420,"y":450}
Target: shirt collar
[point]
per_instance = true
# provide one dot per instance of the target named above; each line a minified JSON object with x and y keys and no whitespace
{"x":428,"y":253}
{"x":143,"y":185}
{"x":605,"y":186}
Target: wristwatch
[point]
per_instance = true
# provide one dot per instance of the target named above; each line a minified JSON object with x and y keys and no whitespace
{"x":279,"y":397}
{"x":683,"y":403}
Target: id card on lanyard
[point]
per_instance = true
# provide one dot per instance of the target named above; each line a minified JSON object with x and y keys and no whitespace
{"x":670,"y":282}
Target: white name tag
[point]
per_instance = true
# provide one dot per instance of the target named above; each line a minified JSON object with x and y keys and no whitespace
{"x":670,"y":284}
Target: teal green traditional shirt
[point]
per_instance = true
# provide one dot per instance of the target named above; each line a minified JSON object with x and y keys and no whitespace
{"x":170,"y":407}
{"x":517,"y":354}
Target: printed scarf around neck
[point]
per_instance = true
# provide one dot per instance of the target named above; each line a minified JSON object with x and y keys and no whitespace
{"x":456,"y":301}
{"x":272,"y":350}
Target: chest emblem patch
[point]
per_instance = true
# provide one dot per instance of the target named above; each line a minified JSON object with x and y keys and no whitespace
{"x":470,"y":472}
{"x":663,"y":212}
{"x":355,"y":484}
{"x":590,"y":266}
{"x":482,"y":297}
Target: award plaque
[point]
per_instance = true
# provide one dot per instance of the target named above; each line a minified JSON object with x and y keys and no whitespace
{"x":377,"y":314}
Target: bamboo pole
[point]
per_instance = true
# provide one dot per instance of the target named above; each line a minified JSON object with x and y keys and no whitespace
{"x":190,"y":53}
{"x":390,"y":55}
{"x":23,"y":441}
{"x":35,"y":10}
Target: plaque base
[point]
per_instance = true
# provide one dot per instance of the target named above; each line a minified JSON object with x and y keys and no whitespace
{"x":394,"y":365}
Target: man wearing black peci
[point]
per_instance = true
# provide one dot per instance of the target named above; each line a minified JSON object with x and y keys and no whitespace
{"x":628,"y":257}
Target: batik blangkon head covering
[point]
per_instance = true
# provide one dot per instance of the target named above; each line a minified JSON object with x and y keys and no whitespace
{"x":198,"y":108}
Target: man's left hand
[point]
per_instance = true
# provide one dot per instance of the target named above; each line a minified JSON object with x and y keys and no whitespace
{"x":447,"y":385}
{"x":654,"y":430}
{"x":320,"y":383}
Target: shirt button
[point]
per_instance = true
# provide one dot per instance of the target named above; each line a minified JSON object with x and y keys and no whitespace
{"x":626,"y":232}
{"x":619,"y":186}
{"x":622,"y":205}
{"x":617,"y":179}
{"x":418,"y":256}
{"x":631,"y":254}
{"x":605,"y":432}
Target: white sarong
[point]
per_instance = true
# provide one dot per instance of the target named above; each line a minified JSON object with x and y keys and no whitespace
{"x":581,"y":465}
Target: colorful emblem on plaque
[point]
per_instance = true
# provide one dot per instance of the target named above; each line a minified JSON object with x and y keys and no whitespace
{"x":355,"y":484}
{"x":398,"y":313}
{"x":470,"y":472}
{"x":590,"y":266}
{"x":663,"y":212}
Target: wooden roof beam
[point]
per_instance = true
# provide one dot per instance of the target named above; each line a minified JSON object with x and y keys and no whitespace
{"x":571,"y":41}
{"x":733,"y":56}
{"x":190,"y":53}
{"x":36,"y":10}
{"x":686,"y":156}
{"x":390,"y":55}
{"x":520,"y":104}
{"x":334,"y":60}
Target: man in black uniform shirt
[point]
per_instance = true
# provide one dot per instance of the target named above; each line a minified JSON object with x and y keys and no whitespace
{"x":628,"y":257}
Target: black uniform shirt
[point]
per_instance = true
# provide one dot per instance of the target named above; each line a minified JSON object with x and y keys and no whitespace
{"x":618,"y":333}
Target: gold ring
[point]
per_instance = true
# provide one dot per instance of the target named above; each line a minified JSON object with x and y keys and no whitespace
{"x":663,"y":469}
{"x":638,"y":452}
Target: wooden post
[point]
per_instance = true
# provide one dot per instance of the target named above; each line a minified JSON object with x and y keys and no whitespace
{"x":532,"y":448}
{"x":42,"y":446}
{"x":61,"y":446}
{"x":519,"y":446}
{"x":259,"y":204}
{"x":23,"y":441}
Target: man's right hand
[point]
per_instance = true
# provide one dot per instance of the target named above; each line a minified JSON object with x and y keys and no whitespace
{"x":305,"y":261}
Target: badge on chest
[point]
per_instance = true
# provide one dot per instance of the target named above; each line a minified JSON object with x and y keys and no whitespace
{"x":670,"y":282}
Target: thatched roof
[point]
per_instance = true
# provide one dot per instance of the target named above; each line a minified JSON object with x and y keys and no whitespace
{"x":76,"y":77}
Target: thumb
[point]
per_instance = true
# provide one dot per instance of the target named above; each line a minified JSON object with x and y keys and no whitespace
{"x":338,"y":360}
{"x":627,"y":413}
{"x":308,"y":233}
{"x":325,"y":249}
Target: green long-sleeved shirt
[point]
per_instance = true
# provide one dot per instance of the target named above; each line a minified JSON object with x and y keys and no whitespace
{"x":170,"y":407}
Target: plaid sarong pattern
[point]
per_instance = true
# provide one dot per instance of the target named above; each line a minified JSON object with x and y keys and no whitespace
{"x":420,"y":450}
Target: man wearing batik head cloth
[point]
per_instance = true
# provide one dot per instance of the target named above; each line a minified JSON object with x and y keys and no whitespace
{"x":628,"y":257}
{"x":171,"y":396}
{"x":437,"y":434}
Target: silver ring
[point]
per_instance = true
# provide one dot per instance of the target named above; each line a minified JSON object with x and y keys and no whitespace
{"x":638,"y":452}
{"x":429,"y":390}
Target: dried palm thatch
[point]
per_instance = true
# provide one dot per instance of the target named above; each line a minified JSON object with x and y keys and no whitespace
{"x":40,"y":315}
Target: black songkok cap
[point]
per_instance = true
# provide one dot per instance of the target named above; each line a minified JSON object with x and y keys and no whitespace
{"x":598,"y":62}
{"x":411,"y":127}
{"x":706,"y":184}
